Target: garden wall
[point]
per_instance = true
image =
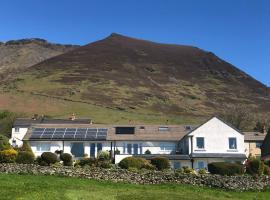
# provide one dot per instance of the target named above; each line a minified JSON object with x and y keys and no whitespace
{"x":240,"y":183}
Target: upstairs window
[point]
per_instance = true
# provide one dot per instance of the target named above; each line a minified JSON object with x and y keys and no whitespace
{"x":124,"y":130}
{"x":200,"y":142}
{"x":167,"y":147}
{"x":258,"y":144}
{"x":17,"y":130}
{"x":232,"y":143}
{"x":163,"y":128}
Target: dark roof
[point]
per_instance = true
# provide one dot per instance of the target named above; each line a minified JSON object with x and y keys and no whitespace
{"x":169,"y":156}
{"x":254,"y":136}
{"x":26,"y":122}
{"x":218,"y":155}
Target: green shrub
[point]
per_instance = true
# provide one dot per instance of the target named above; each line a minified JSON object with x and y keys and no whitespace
{"x":160,"y":163}
{"x":179,"y":171}
{"x":224,"y":168}
{"x":4,"y":143}
{"x":87,"y":162}
{"x":8,"y":156}
{"x":104,"y":164}
{"x":133,"y":162}
{"x":67,"y":159}
{"x":188,"y":170}
{"x":25,"y":157}
{"x":103,"y":155}
{"x":49,"y":157}
{"x":202,"y":171}
{"x":40,"y":161}
{"x":266,"y":170}
{"x":255,"y":166}
{"x":148,"y":152}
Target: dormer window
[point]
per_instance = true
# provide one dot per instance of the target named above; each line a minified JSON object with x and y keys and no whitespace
{"x":124,"y":130}
{"x":163,"y":128}
{"x":232,"y":143}
{"x":17,"y":130}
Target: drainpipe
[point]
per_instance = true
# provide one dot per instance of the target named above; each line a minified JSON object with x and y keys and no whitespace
{"x":191,"y":145}
{"x":63,"y":146}
{"x":114,"y":151}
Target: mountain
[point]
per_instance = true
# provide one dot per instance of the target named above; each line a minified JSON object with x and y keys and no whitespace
{"x":123,"y":78}
{"x":16,"y":55}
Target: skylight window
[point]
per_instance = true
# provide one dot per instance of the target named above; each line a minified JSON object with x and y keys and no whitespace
{"x":163,"y":128}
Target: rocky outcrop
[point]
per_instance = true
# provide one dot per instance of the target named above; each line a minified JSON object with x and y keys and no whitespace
{"x":239,"y":183}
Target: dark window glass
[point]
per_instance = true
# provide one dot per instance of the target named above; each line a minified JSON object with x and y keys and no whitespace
{"x":92,"y":150}
{"x":135,"y":148}
{"x":99,"y":147}
{"x":125,"y":130}
{"x":77,"y":149}
{"x":232,"y":143}
{"x":258,"y":144}
{"x":129,"y":148}
{"x":200,"y":142}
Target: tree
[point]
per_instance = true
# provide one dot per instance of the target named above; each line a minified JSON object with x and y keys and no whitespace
{"x":239,"y":115}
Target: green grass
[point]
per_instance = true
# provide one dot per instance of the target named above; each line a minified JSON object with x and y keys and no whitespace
{"x":50,"y":187}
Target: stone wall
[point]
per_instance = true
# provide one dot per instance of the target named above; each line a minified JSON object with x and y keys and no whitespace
{"x":240,"y":183}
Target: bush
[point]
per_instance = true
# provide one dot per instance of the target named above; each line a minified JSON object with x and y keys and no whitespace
{"x":202,"y":171}
{"x":160,"y":163}
{"x":4,"y":144}
{"x":255,"y":166}
{"x":25,"y":157}
{"x":40,"y":161}
{"x":8,"y":156}
{"x":67,"y":159}
{"x":133,"y":162}
{"x":87,"y":162}
{"x":104,"y":164}
{"x":224,"y":168}
{"x":49,"y":157}
{"x":103,"y":155}
{"x":266,"y":170}
{"x":188,"y":170}
{"x":148,"y":152}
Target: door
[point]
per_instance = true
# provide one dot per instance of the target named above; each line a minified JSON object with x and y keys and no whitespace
{"x":135,"y":148}
{"x":77,"y":149}
{"x":93,"y":150}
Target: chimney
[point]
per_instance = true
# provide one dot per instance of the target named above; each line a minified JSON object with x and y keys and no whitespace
{"x":73,"y":117}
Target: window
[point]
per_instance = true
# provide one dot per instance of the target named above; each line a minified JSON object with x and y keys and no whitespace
{"x":129,"y":148}
{"x":135,"y":149}
{"x":176,"y":165}
{"x":77,"y":149}
{"x":43,"y":147}
{"x":17,"y":130}
{"x":200,"y":142}
{"x":163,"y":128}
{"x":232,"y":143}
{"x":258,"y":144}
{"x":93,"y":150}
{"x":99,"y":147}
{"x":201,"y":165}
{"x":124,"y":130}
{"x":167,"y":147}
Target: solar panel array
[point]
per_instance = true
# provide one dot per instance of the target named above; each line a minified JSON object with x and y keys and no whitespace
{"x":69,"y":133}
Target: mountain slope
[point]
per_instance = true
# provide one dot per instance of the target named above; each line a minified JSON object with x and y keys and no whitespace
{"x":16,"y":55}
{"x":138,"y":76}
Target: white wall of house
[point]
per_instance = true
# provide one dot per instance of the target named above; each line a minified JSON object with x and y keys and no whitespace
{"x":17,"y":135}
{"x":153,"y":147}
{"x":216,"y":136}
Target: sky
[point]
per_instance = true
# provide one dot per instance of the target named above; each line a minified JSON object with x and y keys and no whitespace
{"x":238,"y":31}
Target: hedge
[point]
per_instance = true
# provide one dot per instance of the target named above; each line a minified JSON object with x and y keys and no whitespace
{"x":160,"y":163}
{"x":25,"y":157}
{"x":67,"y":159}
{"x":49,"y":157}
{"x":224,"y":168}
{"x":134,"y":162}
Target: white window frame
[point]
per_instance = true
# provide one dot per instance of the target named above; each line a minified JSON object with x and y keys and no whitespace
{"x":17,"y":129}
{"x":199,"y":148}
{"x":235,"y":148}
{"x":39,"y":147}
{"x":166,"y":147}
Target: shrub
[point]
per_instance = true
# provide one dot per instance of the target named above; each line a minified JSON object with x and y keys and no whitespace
{"x":188,"y":170}
{"x":4,"y":144}
{"x":104,"y":164}
{"x":255,"y":166}
{"x":180,"y":171}
{"x":148,"y":152}
{"x":103,"y":155}
{"x":133,"y":162}
{"x":8,"y":156}
{"x":26,"y":147}
{"x":117,"y":151}
{"x":67,"y":159}
{"x":202,"y":171}
{"x":224,"y":168}
{"x":87,"y":162}
{"x":160,"y":163}
{"x":25,"y":157}
{"x":49,"y":157}
{"x":266,"y":170}
{"x":40,"y":161}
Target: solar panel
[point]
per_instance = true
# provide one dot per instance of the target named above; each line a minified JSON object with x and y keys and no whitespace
{"x":46,"y":136}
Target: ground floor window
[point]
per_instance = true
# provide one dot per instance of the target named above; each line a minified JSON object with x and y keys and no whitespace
{"x":201,"y":165}
{"x":43,"y":147}
{"x":77,"y":149}
{"x":176,"y":165}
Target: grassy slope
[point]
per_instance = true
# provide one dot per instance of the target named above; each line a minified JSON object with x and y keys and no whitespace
{"x":42,"y":187}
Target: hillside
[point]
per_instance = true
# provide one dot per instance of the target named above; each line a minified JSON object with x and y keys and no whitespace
{"x":121,"y":78}
{"x":16,"y":55}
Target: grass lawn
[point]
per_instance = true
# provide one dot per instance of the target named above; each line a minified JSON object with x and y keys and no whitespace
{"x":50,"y":187}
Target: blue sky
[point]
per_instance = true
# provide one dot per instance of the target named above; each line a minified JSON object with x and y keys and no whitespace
{"x":236,"y":30}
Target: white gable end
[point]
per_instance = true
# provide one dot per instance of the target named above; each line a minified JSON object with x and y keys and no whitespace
{"x":216,"y":134}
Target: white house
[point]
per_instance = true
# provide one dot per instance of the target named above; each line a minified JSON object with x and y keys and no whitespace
{"x":182,"y":145}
